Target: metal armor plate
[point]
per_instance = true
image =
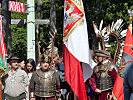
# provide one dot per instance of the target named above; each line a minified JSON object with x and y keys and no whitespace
{"x":46,"y":84}
{"x":103,"y":80}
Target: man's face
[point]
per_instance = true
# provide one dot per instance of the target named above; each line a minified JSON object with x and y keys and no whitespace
{"x":44,"y":65}
{"x":14,"y":64}
{"x":100,"y":59}
{"x":56,"y":60}
{"x":22,"y":64}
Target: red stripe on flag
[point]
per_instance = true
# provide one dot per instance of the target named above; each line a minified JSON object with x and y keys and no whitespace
{"x":73,"y":74}
{"x":118,"y":88}
{"x":128,"y":43}
{"x":3,"y":50}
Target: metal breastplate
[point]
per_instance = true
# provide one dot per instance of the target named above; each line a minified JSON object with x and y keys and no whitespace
{"x":46,"y":86}
{"x":103,"y":80}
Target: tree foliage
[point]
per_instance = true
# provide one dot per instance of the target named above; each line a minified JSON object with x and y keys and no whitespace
{"x":95,"y":10}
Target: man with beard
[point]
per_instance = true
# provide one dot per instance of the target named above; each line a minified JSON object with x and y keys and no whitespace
{"x":104,"y":75}
{"x":45,"y":83}
{"x":15,"y":82}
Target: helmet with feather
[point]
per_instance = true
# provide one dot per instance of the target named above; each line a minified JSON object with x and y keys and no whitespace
{"x":102,"y":53}
{"x":45,"y":57}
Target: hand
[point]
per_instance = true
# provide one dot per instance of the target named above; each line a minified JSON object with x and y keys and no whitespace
{"x":111,"y":97}
{"x":53,"y":65}
{"x":59,"y":98}
{"x":32,"y":98}
{"x":98,"y":91}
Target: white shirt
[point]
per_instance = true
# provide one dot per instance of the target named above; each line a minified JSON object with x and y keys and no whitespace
{"x":16,"y":83}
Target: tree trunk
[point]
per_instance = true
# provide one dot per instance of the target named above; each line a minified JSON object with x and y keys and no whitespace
{"x":7,"y":24}
{"x":53,"y":17}
{"x":38,"y":16}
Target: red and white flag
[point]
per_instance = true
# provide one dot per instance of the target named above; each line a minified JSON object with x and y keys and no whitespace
{"x":118,"y":85}
{"x":16,"y":6}
{"x":76,"y":53}
{"x":3,"y":51}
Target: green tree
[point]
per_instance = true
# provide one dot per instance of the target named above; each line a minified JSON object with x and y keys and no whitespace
{"x":95,"y":10}
{"x":19,"y":36}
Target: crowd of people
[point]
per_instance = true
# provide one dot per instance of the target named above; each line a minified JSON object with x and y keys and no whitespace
{"x":26,"y":81}
{"x":100,"y":84}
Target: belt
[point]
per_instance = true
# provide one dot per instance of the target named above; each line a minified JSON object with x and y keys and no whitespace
{"x":43,"y":98}
{"x":20,"y":97}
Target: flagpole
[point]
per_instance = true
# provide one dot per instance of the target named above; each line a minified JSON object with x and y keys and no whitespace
{"x":0,"y":90}
{"x":53,"y":48}
{"x":75,"y":97}
{"x":130,"y":19}
{"x":1,"y":74}
{"x":0,"y":67}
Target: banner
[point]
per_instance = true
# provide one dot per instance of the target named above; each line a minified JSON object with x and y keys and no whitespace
{"x":118,"y":86}
{"x":16,"y":6}
{"x":76,"y":53}
{"x":3,"y":51}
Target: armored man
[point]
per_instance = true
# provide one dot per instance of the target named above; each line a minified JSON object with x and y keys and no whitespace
{"x":104,"y":74}
{"x":45,"y":83}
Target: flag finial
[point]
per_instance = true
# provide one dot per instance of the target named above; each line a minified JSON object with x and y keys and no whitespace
{"x":130,"y":12}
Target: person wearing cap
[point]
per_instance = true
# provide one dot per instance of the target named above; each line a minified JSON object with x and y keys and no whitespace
{"x":45,"y":83}
{"x":15,"y":82}
{"x":104,"y":75}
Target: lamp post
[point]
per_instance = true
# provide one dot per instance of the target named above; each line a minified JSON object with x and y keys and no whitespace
{"x":30,"y":29}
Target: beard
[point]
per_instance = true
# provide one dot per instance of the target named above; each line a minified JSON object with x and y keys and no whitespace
{"x":99,"y":63}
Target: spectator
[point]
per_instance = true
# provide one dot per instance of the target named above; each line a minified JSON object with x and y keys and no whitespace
{"x":127,"y":59}
{"x":30,"y":67}
{"x":22,"y":65}
{"x":15,"y":82}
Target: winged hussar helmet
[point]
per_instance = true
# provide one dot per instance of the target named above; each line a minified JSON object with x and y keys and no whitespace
{"x":102,"y":53}
{"x":45,"y":57}
{"x":47,"y":54}
{"x":115,"y":29}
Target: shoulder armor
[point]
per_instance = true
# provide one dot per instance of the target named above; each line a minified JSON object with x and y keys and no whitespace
{"x":112,"y":65}
{"x":45,"y":75}
{"x":95,"y":69}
